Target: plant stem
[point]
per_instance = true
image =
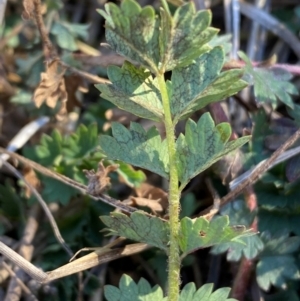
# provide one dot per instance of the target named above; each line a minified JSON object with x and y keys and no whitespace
{"x":165,"y":6}
{"x":174,"y":194}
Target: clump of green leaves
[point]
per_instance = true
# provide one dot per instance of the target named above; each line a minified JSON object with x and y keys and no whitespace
{"x":70,"y":155}
{"x":270,"y":83}
{"x":152,"y":46}
{"x":129,"y":290}
{"x":276,"y":247}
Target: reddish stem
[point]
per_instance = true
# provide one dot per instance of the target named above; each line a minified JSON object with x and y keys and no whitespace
{"x":235,"y":64}
{"x":242,"y":278}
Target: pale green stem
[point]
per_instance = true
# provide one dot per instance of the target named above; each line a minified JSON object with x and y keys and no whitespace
{"x":174,"y":195}
{"x":165,"y":6}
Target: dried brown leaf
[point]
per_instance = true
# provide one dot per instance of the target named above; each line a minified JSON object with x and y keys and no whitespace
{"x":31,"y":178}
{"x":52,"y":88}
{"x":99,"y":181}
{"x":153,"y":194}
{"x":154,"y":205}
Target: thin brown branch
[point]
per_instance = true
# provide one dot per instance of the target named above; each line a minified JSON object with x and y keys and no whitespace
{"x":26,"y":248}
{"x":272,"y":24}
{"x":100,"y":256}
{"x":259,"y":171}
{"x":246,"y":266}
{"x":95,"y":258}
{"x":236,"y":64}
{"x":83,"y":188}
{"x":20,"y":283}
{"x":43,"y":204}
{"x":90,"y":77}
{"x":15,"y":31}
{"x":49,"y":50}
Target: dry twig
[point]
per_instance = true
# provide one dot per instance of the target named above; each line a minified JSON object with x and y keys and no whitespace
{"x":261,"y":169}
{"x":81,"y":187}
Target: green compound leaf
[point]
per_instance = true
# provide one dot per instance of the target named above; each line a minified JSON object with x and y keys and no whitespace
{"x":137,"y":147}
{"x":133,"y":32}
{"x":204,"y":293}
{"x":139,"y":227}
{"x":201,"y":233}
{"x":57,"y":191}
{"x":134,"y":90}
{"x":288,"y":294}
{"x":195,"y":86}
{"x":49,"y":150}
{"x":31,"y":67}
{"x":138,"y":34}
{"x":250,"y":248}
{"x":11,"y":204}
{"x":142,"y":291}
{"x":130,"y":291}
{"x":270,"y":84}
{"x":277,"y":263}
{"x":203,"y":144}
{"x":66,"y":34}
{"x":184,"y":36}
{"x":239,"y":214}
{"x":224,"y":41}
{"x":82,"y":142}
{"x":276,"y":270}
{"x":133,"y":178}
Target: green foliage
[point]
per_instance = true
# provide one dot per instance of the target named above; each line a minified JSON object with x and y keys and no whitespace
{"x":134,"y":90}
{"x":138,"y":147}
{"x":66,"y":34}
{"x":248,"y":246}
{"x":139,"y":227}
{"x":224,"y":41}
{"x":193,"y":234}
{"x":191,"y":87}
{"x":30,"y":68}
{"x":55,"y":190}
{"x":276,"y":264}
{"x":83,"y":141}
{"x":200,"y":233}
{"x":270,"y":84}
{"x":290,"y":295}
{"x":194,"y":86}
{"x":278,"y":200}
{"x":129,"y":290}
{"x":295,"y":113}
{"x":181,"y":39}
{"x":133,"y":178}
{"x":69,"y":155}
{"x":175,"y":43}
{"x":142,"y":291}
{"x":204,"y":293}
{"x":203,"y":144}
{"x":22,"y":97}
{"x":185,"y":45}
{"x":188,"y":205}
{"x":11,"y":205}
{"x":138,"y":43}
